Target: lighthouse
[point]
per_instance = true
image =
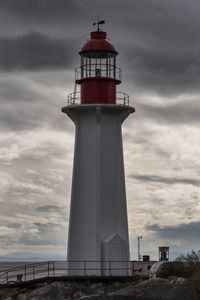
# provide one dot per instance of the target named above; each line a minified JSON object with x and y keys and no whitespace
{"x":98,"y":241}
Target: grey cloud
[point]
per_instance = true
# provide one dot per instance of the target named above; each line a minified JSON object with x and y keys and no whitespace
{"x":21,"y":118}
{"x":4,"y":237}
{"x":46,"y":235}
{"x":12,"y":91}
{"x":42,"y":227}
{"x":160,"y":54}
{"x":6,"y":240}
{"x":188,"y":231}
{"x":27,"y":240}
{"x":23,"y":188}
{"x":186,"y":111}
{"x":29,"y":103}
{"x":166,"y":72}
{"x":166,"y":180}
{"x":48,"y":208}
{"x":14,"y":225}
{"x":17,"y":121}
{"x":34,"y":51}
{"x":40,"y":10}
{"x":27,"y":256}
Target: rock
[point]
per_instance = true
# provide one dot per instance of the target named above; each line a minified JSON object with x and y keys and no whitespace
{"x":153,"y":289}
{"x":171,"y":268}
{"x":58,"y":290}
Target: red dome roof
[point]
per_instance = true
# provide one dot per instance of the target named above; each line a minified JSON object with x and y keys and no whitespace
{"x":98,"y":42}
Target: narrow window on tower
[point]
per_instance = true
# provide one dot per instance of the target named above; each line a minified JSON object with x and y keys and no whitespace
{"x":106,"y":66}
{"x":86,"y":66}
{"x":82,"y":66}
{"x":89,"y":66}
{"x":114,"y":67}
{"x":109,"y":67}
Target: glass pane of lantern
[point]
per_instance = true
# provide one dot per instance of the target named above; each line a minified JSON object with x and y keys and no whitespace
{"x":98,"y":54}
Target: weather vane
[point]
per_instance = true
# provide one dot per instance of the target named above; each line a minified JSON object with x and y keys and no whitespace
{"x":98,"y":23}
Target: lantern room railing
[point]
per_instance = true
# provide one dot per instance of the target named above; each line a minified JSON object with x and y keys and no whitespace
{"x":75,"y":99}
{"x":102,"y":70}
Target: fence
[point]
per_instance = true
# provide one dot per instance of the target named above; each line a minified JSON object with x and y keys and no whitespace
{"x":64,"y":268}
{"x":121,"y":99}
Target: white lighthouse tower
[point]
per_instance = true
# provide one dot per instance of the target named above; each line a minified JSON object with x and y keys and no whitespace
{"x":98,"y":242}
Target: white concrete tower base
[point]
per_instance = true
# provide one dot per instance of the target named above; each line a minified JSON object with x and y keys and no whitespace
{"x":98,"y":228}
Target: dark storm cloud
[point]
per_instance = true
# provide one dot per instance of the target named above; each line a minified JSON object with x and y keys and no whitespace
{"x":188,"y":231}
{"x":33,"y":51}
{"x":159,"y":42}
{"x":162,"y":46}
{"x":166,"y":180}
{"x":166,"y":72}
{"x":40,"y":10}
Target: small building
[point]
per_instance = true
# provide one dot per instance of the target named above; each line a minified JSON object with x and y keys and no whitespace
{"x":163,"y":253}
{"x":141,"y":268}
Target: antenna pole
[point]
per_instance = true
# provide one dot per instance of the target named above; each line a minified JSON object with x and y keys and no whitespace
{"x":139,"y":238}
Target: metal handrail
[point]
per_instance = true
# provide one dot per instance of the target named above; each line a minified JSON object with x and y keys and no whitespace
{"x":103,"y":70}
{"x":75,"y":99}
{"x":63,"y":268}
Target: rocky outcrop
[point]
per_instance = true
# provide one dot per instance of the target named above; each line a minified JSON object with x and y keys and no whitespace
{"x":153,"y":289}
{"x":172,"y":268}
{"x":157,"y":289}
{"x":64,"y":290}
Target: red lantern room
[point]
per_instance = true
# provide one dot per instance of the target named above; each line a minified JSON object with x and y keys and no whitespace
{"x":97,"y":74}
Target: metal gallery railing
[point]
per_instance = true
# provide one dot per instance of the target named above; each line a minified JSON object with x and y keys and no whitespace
{"x":75,"y":99}
{"x":98,"y":70}
{"x":51,"y":269}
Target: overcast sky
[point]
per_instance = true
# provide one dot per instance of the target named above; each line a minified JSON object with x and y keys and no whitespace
{"x":159,"y":51}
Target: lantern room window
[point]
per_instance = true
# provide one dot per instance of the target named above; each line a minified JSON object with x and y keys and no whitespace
{"x":98,"y":64}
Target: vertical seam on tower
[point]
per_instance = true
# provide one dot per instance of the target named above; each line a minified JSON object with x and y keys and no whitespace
{"x":98,"y":177}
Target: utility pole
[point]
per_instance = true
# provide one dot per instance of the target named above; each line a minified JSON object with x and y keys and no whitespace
{"x":139,"y":238}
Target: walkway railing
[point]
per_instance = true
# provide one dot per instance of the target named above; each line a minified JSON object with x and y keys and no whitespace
{"x":75,"y":99}
{"x":94,"y":71}
{"x":53,"y":269}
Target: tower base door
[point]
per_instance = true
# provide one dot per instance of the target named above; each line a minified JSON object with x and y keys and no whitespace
{"x":115,"y":260}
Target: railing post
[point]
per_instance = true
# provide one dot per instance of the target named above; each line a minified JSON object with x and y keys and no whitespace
{"x":85,"y":268}
{"x":53,"y":269}
{"x":7,"y":277}
{"x":25,"y":273}
{"x":109,"y":263}
{"x":33,"y":272}
{"x":48,"y":268}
